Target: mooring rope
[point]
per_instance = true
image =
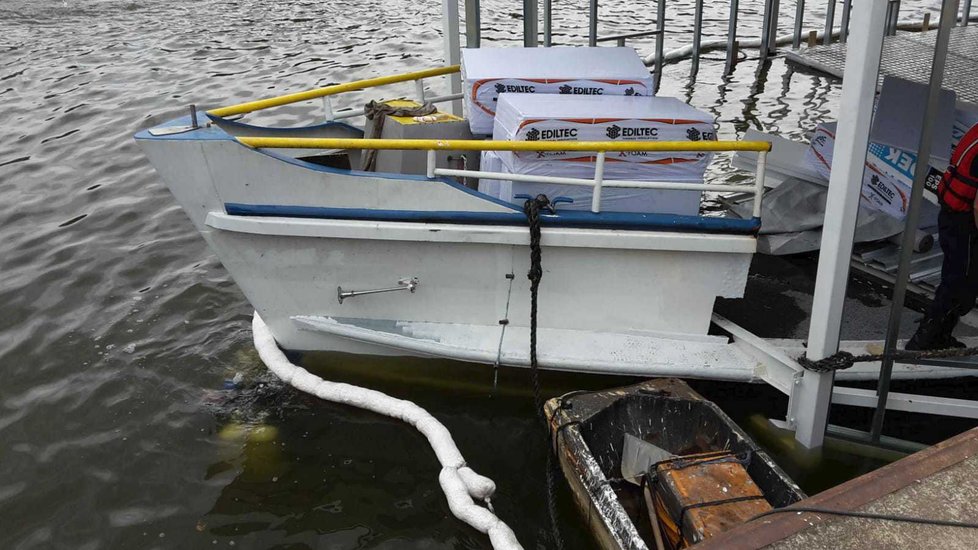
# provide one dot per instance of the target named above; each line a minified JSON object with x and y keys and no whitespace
{"x":531,"y":208}
{"x":460,"y":483}
{"x":843,"y":359}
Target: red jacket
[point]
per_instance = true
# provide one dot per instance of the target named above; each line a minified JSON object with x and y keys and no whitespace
{"x":959,"y":183}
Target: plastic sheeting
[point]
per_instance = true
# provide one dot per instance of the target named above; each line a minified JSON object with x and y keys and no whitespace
{"x":792,"y":216}
{"x":530,"y":117}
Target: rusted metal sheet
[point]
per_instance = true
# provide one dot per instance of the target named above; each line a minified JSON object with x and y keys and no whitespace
{"x":701,"y":496}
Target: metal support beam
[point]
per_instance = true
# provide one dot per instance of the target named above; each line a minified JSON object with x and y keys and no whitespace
{"x":732,"y":36}
{"x":924,"y":404}
{"x":530,"y":23}
{"x":799,"y":23}
{"x":965,"y":12}
{"x":842,"y":205}
{"x":660,"y":25}
{"x":766,"y":29}
{"x":772,"y":30}
{"x":697,"y":34}
{"x":846,"y":12}
{"x":592,"y":23}
{"x":949,"y":15}
{"x":473,"y":24}
{"x":548,"y":23}
{"x":830,"y":21}
{"x":451,"y":49}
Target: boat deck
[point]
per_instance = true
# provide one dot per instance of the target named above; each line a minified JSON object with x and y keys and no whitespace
{"x":909,"y":56}
{"x":940,"y":482}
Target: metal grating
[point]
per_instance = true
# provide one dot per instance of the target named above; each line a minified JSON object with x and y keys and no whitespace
{"x":910,"y":56}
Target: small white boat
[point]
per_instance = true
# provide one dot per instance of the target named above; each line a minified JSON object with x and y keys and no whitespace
{"x":321,"y":251}
{"x":337,"y":259}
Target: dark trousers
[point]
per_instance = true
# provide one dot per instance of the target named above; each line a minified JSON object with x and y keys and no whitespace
{"x":959,"y":275}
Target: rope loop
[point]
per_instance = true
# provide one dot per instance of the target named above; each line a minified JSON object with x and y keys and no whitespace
{"x":843,"y":359}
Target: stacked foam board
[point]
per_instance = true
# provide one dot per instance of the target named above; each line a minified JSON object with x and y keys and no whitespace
{"x":529,"y":117}
{"x":888,"y":177}
{"x":488,"y":72}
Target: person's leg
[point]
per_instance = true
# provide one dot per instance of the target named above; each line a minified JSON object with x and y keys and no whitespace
{"x":967,"y":291}
{"x":956,"y":234}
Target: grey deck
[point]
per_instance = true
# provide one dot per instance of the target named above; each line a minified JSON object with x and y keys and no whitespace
{"x":940,"y":482}
{"x":909,"y":56}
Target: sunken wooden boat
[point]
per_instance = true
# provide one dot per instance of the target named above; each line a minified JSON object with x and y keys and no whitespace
{"x":589,"y":432}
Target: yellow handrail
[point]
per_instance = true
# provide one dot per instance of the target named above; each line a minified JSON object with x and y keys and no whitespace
{"x":486,"y":145}
{"x":330,"y":90}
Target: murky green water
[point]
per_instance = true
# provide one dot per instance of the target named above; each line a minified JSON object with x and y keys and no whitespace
{"x":119,"y":328}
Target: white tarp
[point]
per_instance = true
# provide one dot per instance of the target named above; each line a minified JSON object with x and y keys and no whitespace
{"x":488,"y":72}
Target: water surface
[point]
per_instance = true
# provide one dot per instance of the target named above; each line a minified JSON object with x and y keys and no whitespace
{"x":120,"y":329}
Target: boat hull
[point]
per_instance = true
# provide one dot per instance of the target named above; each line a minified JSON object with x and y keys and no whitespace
{"x":474,"y":275}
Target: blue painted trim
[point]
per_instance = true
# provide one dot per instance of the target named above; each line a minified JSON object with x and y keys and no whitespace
{"x":604,"y":220}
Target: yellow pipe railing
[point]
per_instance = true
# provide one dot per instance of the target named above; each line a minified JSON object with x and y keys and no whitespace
{"x":486,"y":145}
{"x":251,"y":106}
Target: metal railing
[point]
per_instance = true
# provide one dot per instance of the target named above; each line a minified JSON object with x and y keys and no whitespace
{"x":599,"y":148}
{"x":417,"y":77}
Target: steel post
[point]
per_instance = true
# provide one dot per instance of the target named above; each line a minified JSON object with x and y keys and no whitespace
{"x":451,"y":48}
{"x":765,"y":28}
{"x":846,"y":12}
{"x":799,"y":23}
{"x":772,"y":31}
{"x":830,"y":22}
{"x":852,"y":138}
{"x":530,"y":23}
{"x":697,"y":34}
{"x":965,"y":12}
{"x":660,"y":25}
{"x":949,"y":15}
{"x":548,"y":23}
{"x":592,"y":23}
{"x":732,"y":36}
{"x":473,"y":24}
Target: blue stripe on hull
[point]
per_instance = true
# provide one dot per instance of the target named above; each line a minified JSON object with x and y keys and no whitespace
{"x":604,"y":220}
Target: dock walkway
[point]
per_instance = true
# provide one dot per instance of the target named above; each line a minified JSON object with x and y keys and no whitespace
{"x":910,"y":56}
{"x":940,"y":482}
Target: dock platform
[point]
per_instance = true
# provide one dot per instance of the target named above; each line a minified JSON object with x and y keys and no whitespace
{"x":940,"y":482}
{"x":909,"y":56}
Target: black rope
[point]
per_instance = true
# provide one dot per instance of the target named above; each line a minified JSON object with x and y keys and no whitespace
{"x":868,"y":515}
{"x":843,"y":359}
{"x":531,"y":208}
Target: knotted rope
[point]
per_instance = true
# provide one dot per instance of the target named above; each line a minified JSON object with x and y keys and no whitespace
{"x":532,"y":208}
{"x":843,"y":359}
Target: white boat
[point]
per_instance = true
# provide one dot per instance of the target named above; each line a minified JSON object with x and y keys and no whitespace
{"x":310,"y":246}
{"x":402,"y":264}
